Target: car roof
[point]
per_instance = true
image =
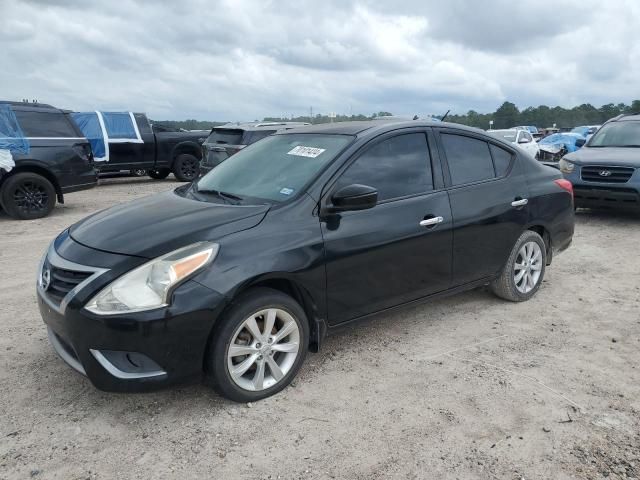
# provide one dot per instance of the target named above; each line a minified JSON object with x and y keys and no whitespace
{"x":256,"y":126}
{"x":370,"y":126}
{"x":631,"y":117}
{"x":30,"y":107}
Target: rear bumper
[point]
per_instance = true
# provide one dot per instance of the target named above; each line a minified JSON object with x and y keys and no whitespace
{"x":80,"y":182}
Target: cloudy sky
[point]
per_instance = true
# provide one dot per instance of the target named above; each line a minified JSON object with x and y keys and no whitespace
{"x":244,"y":59}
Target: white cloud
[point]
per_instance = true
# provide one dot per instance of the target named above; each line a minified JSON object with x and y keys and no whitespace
{"x":247,"y":59}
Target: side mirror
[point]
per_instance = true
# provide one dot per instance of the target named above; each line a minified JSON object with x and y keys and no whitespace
{"x":580,"y":142}
{"x":353,"y":197}
{"x":524,"y":140}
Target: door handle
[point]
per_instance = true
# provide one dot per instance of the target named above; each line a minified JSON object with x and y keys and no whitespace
{"x":429,"y":222}
{"x":520,"y":203}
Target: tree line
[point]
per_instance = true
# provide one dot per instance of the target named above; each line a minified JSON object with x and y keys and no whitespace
{"x":507,"y":115}
{"x":318,"y":118}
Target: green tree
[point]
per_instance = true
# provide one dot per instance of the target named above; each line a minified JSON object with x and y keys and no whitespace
{"x":506,"y":116}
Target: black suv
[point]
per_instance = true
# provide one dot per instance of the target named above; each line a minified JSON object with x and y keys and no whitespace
{"x":238,"y":274}
{"x":51,"y":156}
{"x":228,"y":139}
{"x":605,"y":172}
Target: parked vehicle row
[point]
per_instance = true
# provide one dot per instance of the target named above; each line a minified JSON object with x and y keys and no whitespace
{"x":238,"y":274}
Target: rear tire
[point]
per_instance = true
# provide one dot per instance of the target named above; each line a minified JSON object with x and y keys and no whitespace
{"x":186,"y":167}
{"x":138,"y":172}
{"x":27,"y":196}
{"x":272,"y":354}
{"x":159,"y":174}
{"x":523,"y":273}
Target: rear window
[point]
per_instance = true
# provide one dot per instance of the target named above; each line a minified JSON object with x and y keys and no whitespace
{"x":228,"y":136}
{"x":253,"y":136}
{"x":45,"y":124}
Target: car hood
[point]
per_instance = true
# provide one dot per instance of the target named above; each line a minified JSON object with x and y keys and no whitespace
{"x":626,"y":157}
{"x":158,"y":224}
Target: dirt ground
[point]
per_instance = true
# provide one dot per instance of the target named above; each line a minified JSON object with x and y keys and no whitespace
{"x":465,"y":387}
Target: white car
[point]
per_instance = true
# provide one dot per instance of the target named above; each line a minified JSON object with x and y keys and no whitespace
{"x":521,"y":138}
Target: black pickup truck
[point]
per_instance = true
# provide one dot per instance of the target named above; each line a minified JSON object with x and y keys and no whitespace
{"x":128,"y":141}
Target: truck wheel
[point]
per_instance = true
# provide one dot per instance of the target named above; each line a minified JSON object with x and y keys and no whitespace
{"x":159,"y":174}
{"x":138,"y":172}
{"x":26,"y":196}
{"x":186,"y":167}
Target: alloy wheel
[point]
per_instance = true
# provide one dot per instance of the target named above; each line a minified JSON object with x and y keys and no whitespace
{"x":31,"y":197}
{"x":263,"y":349}
{"x":527,"y":267}
{"x":189,"y":168}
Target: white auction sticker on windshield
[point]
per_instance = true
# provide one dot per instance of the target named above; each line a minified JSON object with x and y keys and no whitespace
{"x":310,"y":152}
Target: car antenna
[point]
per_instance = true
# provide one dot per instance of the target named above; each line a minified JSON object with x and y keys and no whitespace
{"x":445,"y":115}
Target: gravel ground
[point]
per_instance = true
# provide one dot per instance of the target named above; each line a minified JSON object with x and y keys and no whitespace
{"x":464,"y":387}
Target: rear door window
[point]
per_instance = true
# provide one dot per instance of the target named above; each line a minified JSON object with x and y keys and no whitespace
{"x":45,"y":124}
{"x":397,"y":167}
{"x":469,"y":159}
{"x":501,"y":160}
{"x":226,"y":136}
{"x":119,"y":126}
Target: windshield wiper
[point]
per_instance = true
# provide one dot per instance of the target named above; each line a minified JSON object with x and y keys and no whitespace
{"x":235,"y":199}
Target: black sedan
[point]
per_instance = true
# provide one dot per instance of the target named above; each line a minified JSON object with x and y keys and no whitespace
{"x":239,"y":274}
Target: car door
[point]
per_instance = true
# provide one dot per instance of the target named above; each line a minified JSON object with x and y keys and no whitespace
{"x":488,"y":194}
{"x":399,"y":250}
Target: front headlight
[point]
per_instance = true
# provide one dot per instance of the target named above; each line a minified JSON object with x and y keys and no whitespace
{"x":565,"y":166}
{"x":149,"y":286}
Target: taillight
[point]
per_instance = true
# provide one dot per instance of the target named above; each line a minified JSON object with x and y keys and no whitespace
{"x":84,"y":151}
{"x":565,"y":185}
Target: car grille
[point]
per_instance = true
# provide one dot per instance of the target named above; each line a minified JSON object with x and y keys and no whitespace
{"x":62,"y":281}
{"x":594,"y":173}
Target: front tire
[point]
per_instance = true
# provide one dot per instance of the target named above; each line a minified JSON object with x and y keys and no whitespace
{"x":27,"y":196}
{"x":258,"y":346}
{"x":523,"y":273}
{"x":186,"y":167}
{"x":159,"y":174}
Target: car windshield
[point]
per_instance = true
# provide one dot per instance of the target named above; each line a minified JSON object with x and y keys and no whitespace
{"x":275,"y":168}
{"x":508,"y":135}
{"x":617,"y":134}
{"x":228,"y":136}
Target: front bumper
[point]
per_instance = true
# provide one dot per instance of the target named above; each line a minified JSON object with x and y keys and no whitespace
{"x":598,"y":195}
{"x":135,"y":352}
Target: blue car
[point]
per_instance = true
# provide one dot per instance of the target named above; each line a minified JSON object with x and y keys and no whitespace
{"x":557,"y":145}
{"x":605,"y":173}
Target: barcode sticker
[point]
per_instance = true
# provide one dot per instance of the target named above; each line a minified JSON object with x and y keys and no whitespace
{"x":310,"y":152}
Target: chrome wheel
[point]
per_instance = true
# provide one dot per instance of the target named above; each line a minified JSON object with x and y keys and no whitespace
{"x":263,"y":349}
{"x":527,"y":267}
